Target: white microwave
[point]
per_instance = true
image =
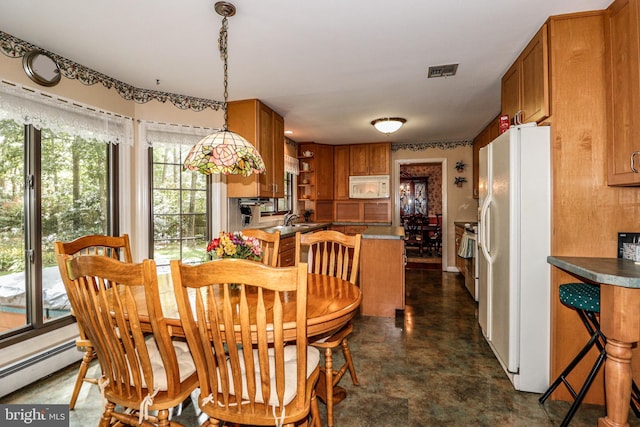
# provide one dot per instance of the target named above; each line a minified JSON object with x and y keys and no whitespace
{"x":369,"y":187}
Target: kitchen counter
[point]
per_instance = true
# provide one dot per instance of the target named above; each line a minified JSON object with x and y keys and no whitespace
{"x":291,"y":230}
{"x":619,"y":281}
{"x":383,"y":232}
{"x":463,"y":224}
{"x":612,"y":271}
{"x":382,"y":260}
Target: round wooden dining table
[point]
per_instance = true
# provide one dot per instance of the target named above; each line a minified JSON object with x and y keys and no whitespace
{"x":331,"y":303}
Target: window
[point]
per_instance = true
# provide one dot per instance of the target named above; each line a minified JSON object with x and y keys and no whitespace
{"x":179,"y":206}
{"x":283,"y":205}
{"x":58,"y":181}
{"x":53,"y":186}
{"x":183,"y":206}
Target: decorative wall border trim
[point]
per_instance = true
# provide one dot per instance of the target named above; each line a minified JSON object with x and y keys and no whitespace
{"x":443,"y":145}
{"x":15,"y":48}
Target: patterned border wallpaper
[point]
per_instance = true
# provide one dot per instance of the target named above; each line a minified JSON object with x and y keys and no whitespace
{"x":443,"y":145}
{"x":15,"y":48}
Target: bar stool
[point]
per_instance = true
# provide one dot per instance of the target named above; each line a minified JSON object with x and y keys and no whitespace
{"x":585,"y":299}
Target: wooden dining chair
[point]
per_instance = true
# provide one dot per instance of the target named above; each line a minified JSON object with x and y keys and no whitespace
{"x":270,"y":243}
{"x":335,"y":254}
{"x":413,"y":233}
{"x":109,"y":246}
{"x":248,"y":375}
{"x":141,"y":372}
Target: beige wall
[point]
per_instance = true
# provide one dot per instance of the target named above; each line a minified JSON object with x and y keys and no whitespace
{"x":457,"y":202}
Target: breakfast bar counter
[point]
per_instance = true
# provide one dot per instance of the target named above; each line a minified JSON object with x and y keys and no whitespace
{"x":619,"y":281}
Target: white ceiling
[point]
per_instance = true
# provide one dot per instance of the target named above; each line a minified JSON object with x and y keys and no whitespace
{"x":329,"y":67}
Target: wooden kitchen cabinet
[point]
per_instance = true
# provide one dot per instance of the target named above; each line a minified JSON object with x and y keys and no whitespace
{"x":370,"y":210}
{"x":316,"y":171}
{"x":382,"y":276}
{"x":315,"y":183}
{"x":488,"y":134}
{"x":459,"y":260}
{"x":264,"y":128}
{"x":287,"y":252}
{"x":341,"y":172}
{"x":370,"y":159}
{"x":324,"y":172}
{"x":622,"y":56}
{"x":525,"y":85}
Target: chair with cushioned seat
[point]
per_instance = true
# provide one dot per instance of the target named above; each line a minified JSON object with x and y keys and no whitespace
{"x":585,"y":299}
{"x":142,"y":371}
{"x":116,"y":247}
{"x":332,"y":253}
{"x":249,"y":374}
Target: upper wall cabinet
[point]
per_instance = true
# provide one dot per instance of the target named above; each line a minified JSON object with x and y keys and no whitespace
{"x":623,"y":92}
{"x":525,"y":85}
{"x":341,"y":172}
{"x":488,"y":134}
{"x":264,"y":128}
{"x":370,"y":159}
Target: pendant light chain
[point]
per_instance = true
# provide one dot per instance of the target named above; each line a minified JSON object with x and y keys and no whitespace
{"x":224,"y":152}
{"x":222,"y":45}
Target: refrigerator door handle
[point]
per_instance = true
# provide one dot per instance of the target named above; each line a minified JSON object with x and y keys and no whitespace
{"x":485,"y":243}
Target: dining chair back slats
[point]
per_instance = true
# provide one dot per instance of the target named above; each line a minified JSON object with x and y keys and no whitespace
{"x":140,"y":370}
{"x":269,"y":242}
{"x":332,"y":253}
{"x":97,"y":244}
{"x":117,"y":247}
{"x":233,"y":320}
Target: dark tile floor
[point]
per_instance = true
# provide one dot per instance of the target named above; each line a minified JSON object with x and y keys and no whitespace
{"x":429,"y":367}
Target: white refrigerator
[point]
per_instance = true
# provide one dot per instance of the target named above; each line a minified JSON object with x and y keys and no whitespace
{"x":514,"y":240}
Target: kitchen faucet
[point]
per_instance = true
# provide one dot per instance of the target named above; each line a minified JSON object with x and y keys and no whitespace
{"x":289,"y":218}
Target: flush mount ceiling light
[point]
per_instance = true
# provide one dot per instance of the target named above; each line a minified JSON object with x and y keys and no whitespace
{"x":224,"y":152}
{"x":388,"y":124}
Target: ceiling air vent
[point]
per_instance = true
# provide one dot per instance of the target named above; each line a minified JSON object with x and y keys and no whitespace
{"x":442,"y":70}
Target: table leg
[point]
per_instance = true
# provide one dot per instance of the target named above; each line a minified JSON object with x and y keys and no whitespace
{"x":620,"y":322}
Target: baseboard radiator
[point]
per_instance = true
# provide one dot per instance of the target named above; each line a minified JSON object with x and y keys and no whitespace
{"x":35,"y":367}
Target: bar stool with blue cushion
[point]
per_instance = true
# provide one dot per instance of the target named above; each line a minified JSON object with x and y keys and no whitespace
{"x":585,"y":299}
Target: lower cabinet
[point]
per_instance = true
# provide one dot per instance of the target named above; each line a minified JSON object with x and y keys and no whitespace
{"x":287,"y":252}
{"x":382,"y":277}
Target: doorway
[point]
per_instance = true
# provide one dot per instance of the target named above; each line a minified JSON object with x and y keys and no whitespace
{"x":421,"y":193}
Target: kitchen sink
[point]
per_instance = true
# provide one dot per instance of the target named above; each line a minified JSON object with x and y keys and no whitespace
{"x":301,"y":225}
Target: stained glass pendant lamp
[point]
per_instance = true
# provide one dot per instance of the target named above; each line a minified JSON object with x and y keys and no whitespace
{"x":224,"y":152}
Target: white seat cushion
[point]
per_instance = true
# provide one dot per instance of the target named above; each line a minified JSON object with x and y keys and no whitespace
{"x":186,"y":366}
{"x":290,"y":374}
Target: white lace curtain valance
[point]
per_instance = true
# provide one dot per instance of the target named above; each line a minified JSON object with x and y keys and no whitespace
{"x":291,"y":165}
{"x":45,"y":111}
{"x":153,"y":132}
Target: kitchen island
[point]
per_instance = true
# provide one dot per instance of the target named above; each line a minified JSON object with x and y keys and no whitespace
{"x":382,"y":262}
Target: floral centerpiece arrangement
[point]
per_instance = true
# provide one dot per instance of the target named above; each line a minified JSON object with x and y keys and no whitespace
{"x":235,"y":245}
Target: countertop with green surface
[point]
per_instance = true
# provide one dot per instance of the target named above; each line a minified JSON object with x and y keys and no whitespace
{"x":371,"y":232}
